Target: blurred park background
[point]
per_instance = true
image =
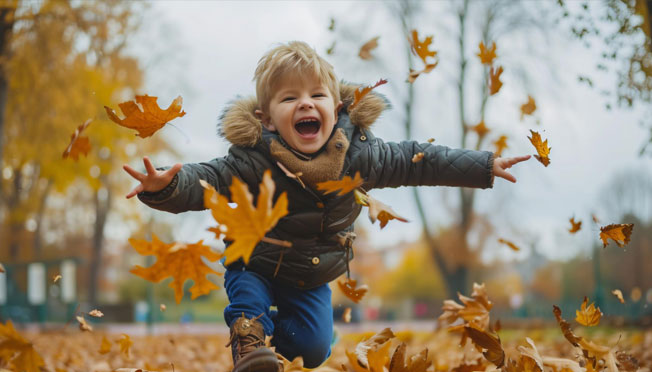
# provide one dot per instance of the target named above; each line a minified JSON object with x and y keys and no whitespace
{"x":587,"y":65}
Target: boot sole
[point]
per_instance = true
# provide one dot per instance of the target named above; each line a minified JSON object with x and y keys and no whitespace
{"x":261,"y":360}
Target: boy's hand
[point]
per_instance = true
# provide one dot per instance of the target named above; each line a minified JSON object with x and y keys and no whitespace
{"x":154,"y":180}
{"x":500,"y":164}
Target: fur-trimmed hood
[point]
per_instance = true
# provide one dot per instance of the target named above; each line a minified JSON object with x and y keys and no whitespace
{"x":239,"y":125}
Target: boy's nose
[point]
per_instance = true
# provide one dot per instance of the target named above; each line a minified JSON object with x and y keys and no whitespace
{"x":306,"y":104}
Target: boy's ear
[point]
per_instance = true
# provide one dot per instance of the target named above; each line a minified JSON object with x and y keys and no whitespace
{"x":264,"y":120}
{"x":337,"y":110}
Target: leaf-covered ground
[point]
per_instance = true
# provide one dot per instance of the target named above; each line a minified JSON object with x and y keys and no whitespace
{"x":73,"y":350}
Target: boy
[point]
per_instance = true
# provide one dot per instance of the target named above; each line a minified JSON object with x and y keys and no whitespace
{"x":299,"y":120}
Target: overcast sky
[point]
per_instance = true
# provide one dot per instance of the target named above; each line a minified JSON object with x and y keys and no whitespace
{"x":207,"y":52}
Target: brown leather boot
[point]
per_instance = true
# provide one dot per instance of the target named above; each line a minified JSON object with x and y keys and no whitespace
{"x":248,"y":347}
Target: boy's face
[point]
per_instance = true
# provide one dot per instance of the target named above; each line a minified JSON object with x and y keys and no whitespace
{"x":303,"y":112}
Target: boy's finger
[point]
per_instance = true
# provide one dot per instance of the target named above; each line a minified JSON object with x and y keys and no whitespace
{"x":148,"y":166}
{"x":133,"y":173}
{"x":519,"y":159}
{"x":174,"y":170}
{"x":135,"y":191}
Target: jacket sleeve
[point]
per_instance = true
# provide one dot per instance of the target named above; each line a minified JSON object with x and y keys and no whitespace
{"x":184,"y":193}
{"x":390,"y":165}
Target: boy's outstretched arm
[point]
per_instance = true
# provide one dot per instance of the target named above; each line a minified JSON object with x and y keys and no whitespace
{"x":154,"y":180}
{"x":500,"y":164}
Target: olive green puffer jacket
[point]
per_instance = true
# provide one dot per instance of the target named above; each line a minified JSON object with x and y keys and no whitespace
{"x":319,"y":226}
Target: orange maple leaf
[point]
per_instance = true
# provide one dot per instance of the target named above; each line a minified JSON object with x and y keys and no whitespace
{"x":350,"y":289}
{"x":345,"y":185}
{"x":509,"y":244}
{"x":421,"y":48}
{"x":125,"y":344}
{"x":494,"y":80}
{"x":480,"y":128}
{"x":377,"y":209}
{"x":588,"y":316}
{"x":575,"y":226}
{"x":619,"y":233}
{"x":415,"y":363}
{"x":501,"y":144}
{"x":487,"y":55}
{"x":17,"y":351}
{"x":366,"y":48}
{"x":150,"y":118}
{"x":78,"y":144}
{"x":528,"y":107}
{"x":361,"y":92}
{"x":475,"y":310}
{"x":105,"y":347}
{"x":244,"y":224}
{"x":619,"y":295}
{"x":180,"y":261}
{"x":542,"y":148}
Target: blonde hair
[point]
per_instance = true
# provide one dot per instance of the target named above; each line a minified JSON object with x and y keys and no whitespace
{"x":297,"y":58}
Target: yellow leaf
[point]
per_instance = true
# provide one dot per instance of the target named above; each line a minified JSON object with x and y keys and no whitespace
{"x":619,"y":295}
{"x":575,"y":226}
{"x":475,"y":310}
{"x":487,"y":55}
{"x":480,"y":128}
{"x":490,"y":341}
{"x":494,"y":80}
{"x":513,"y":246}
{"x":417,"y":157}
{"x":150,"y":118}
{"x":361,"y":92}
{"x":382,"y":212}
{"x":105,"y":347}
{"x":588,"y":316}
{"x":56,"y":278}
{"x":414,"y":74}
{"x":619,"y":233}
{"x":180,"y":261}
{"x":543,"y":151}
{"x":421,"y":48}
{"x":365,"y":50}
{"x":350,"y":289}
{"x":17,"y":351}
{"x":345,"y":185}
{"x":83,"y":325}
{"x":125,"y":343}
{"x":374,"y":343}
{"x":501,"y":144}
{"x":528,"y":107}
{"x":378,"y":357}
{"x":78,"y":144}
{"x":245,"y":225}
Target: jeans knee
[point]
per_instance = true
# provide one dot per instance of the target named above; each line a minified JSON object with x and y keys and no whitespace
{"x":315,"y":353}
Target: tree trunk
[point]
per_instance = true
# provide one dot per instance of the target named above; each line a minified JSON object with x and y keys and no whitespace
{"x":102,"y":208}
{"x":6,"y":25}
{"x":38,"y":242}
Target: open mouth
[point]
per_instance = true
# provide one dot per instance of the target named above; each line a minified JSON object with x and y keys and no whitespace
{"x":307,"y":127}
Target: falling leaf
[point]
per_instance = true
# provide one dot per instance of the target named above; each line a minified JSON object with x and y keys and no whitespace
{"x":475,"y":310}
{"x":377,"y":209}
{"x":619,"y":233}
{"x":105,"y":347}
{"x":360,"y":92}
{"x":497,"y":326}
{"x":513,"y":246}
{"x":565,"y":327}
{"x":543,"y":151}
{"x":588,"y":316}
{"x":417,"y":157}
{"x":490,"y":341}
{"x":162,"y":307}
{"x":501,"y":144}
{"x":431,"y":140}
{"x":575,"y":226}
{"x":17,"y":351}
{"x":530,"y":357}
{"x":494,"y":80}
{"x":96,"y":313}
{"x":287,"y":172}
{"x":487,"y":55}
{"x":480,"y":128}
{"x":414,"y":74}
{"x":245,"y":225}
{"x":345,"y":185}
{"x":83,"y":325}
{"x":56,"y":278}
{"x":180,"y":261}
{"x":619,"y":295}
{"x":595,"y":219}
{"x":528,"y":107}
{"x":331,"y":50}
{"x":125,"y":343}
{"x":78,"y":144}
{"x":421,"y":48}
{"x":349,"y":289}
{"x":2,"y":268}
{"x":416,"y":363}
{"x":331,"y":26}
{"x":346,"y":316}
{"x":366,"y":48}
{"x":150,"y":118}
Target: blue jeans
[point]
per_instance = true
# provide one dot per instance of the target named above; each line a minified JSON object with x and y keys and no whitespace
{"x":303,"y":324}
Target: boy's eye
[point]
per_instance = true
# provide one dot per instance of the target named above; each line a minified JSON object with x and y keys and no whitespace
{"x":319,"y":95}
{"x":287,"y":99}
